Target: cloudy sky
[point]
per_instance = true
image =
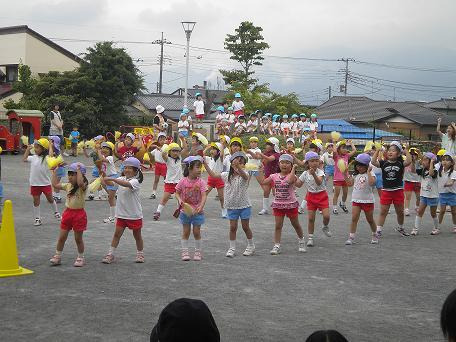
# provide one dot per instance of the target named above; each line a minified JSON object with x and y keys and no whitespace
{"x":403,"y":49}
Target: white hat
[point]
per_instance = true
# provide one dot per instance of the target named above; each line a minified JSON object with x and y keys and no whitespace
{"x":291,"y":140}
{"x":159,"y":109}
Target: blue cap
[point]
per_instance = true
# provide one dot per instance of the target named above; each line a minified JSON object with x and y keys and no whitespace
{"x":294,"y":116}
{"x":198,"y":94}
{"x":132,"y":161}
{"x":285,"y":116}
{"x":237,"y":96}
{"x":221,"y":109}
{"x":230,"y":108}
{"x":303,"y":115}
{"x":186,"y":110}
{"x":74,"y":167}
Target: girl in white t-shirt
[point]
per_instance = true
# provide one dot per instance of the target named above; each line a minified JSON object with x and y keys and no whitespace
{"x":313,"y":126}
{"x":172,"y":156}
{"x":160,"y":165}
{"x":110,"y":171}
{"x":294,"y":126}
{"x":40,"y":177}
{"x":252,"y":125}
{"x":128,"y":208}
{"x":240,"y":127}
{"x":429,"y":193}
{"x":447,"y":188}
{"x":362,"y":181}
{"x":237,"y":202}
{"x":198,"y":107}
{"x":254,"y":158}
{"x":215,"y":163}
{"x":285,"y":126}
{"x":183,"y":125}
{"x":411,"y":182}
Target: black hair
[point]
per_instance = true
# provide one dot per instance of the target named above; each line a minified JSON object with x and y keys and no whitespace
{"x":238,"y":143}
{"x":110,"y":149}
{"x":217,"y":156}
{"x":139,"y":175}
{"x":44,"y":154}
{"x":190,"y":166}
{"x":231,"y":172}
{"x":75,"y":187}
{"x":326,"y":336}
{"x":450,"y":170}
{"x":356,"y":163}
{"x":448,"y":317}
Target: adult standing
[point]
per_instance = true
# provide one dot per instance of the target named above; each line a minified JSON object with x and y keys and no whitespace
{"x":160,"y":122}
{"x":448,"y":138}
{"x":56,"y":123}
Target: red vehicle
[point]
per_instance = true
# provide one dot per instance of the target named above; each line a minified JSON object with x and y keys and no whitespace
{"x":19,"y":122}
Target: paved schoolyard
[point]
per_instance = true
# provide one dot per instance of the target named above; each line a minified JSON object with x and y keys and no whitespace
{"x":389,"y":292}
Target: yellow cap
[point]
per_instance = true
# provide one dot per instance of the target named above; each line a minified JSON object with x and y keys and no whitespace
{"x":44,"y":143}
{"x":342,"y":142}
{"x":1,"y":149}
{"x":414,"y":150}
{"x":236,"y":139}
{"x":110,"y":145}
{"x":173,"y":146}
{"x":254,"y":139}
{"x":328,"y":144}
{"x":441,"y":152}
{"x":216,"y":145}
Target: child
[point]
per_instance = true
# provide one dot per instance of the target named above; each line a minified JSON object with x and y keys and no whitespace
{"x":191,"y":190}
{"x":128,"y":208}
{"x":264,"y":124}
{"x":270,"y":160}
{"x":362,"y":181}
{"x":74,"y":136}
{"x":285,"y":126}
{"x":173,"y":159}
{"x":341,"y":153}
{"x":96,"y":170}
{"x":215,"y":162}
{"x":376,"y":170}
{"x":393,"y":189}
{"x":275,"y":125}
{"x":198,"y":108}
{"x":240,"y":127}
{"x":313,"y":126}
{"x":317,"y":197}
{"x":294,"y":126}
{"x":74,"y":216}
{"x":285,"y":202}
{"x":252,"y":125}
{"x":127,"y":150}
{"x":110,"y":170}
{"x":237,"y":202}
{"x":328,"y":161}
{"x":54,"y":151}
{"x":40,"y":178}
{"x":183,"y":125}
{"x":160,"y":165}
{"x":238,"y":105}
{"x":411,"y":182}
{"x":303,"y":126}
{"x":197,"y":148}
{"x":253,"y":157}
{"x":429,"y":193}
{"x":447,"y":188}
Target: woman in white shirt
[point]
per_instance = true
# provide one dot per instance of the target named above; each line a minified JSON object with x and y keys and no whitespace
{"x":448,"y":138}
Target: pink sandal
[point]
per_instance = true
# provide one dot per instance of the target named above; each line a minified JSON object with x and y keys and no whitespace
{"x":139,"y":258}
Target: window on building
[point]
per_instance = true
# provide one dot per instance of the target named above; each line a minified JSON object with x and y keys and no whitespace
{"x":11,"y":73}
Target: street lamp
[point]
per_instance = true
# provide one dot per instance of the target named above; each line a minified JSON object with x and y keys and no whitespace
{"x":188,"y":28}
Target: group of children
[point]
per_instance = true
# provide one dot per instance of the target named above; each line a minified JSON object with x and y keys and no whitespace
{"x":230,"y":167}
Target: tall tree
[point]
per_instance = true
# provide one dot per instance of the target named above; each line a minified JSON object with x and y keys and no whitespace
{"x":246,"y":46}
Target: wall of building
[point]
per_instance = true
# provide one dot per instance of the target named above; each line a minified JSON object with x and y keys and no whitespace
{"x":417,"y":132}
{"x":12,"y":49}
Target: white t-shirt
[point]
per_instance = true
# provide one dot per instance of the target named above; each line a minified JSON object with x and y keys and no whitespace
{"x":252,"y":124}
{"x":410,"y":176}
{"x":110,"y":166}
{"x":128,"y":205}
{"x":40,"y":175}
{"x":244,"y":125}
{"x":362,"y":191}
{"x":303,"y":125}
{"x":251,"y":160}
{"x":294,"y":125}
{"x":444,"y":179}
{"x":226,"y":161}
{"x":215,"y":165}
{"x":198,"y":105}
{"x":235,"y":192}
{"x":313,"y":126}
{"x":429,"y":185}
{"x":231,"y":118}
{"x":219,"y":117}
{"x":158,"y":156}
{"x":327,"y":158}
{"x":183,"y":126}
{"x":237,"y":105}
{"x":310,"y":183}
{"x":284,"y":125}
{"x":173,"y":171}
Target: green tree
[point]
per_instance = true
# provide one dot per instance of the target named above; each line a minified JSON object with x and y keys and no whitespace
{"x":246,"y":47}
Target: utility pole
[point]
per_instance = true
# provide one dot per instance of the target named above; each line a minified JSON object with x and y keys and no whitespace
{"x":329,"y":92}
{"x":161,"y":42}
{"x":346,"y":60}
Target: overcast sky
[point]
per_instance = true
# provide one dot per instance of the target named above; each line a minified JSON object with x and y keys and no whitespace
{"x":415,"y":33}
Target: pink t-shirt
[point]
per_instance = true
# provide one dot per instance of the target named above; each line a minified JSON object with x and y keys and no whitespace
{"x":191,"y":190}
{"x":339,"y":176}
{"x":285,"y":197}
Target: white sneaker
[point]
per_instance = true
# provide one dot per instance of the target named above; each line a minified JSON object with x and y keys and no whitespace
{"x":326,"y":231}
{"x":275,"y":250}
{"x":109,"y":220}
{"x":310,"y":242}
{"x":37,"y":222}
{"x":406,"y":212}
{"x":374,"y":240}
{"x":335,"y":211}
{"x":302,"y":246}
{"x":263,"y":212}
{"x":249,"y":251}
{"x":57,"y":215}
{"x":231,"y":253}
{"x":414,"y":232}
{"x":350,"y":241}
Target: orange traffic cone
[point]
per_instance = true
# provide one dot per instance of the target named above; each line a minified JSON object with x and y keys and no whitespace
{"x":9,"y":263}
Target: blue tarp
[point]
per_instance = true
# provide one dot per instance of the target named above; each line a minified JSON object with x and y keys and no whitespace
{"x":350,"y":131}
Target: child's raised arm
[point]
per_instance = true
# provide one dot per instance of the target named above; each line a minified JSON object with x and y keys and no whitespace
{"x":80,"y":179}
{"x":353,"y":151}
{"x":209,"y":171}
{"x":55,"y":181}
{"x":261,"y":179}
{"x":372,"y":179}
{"x":27,"y":153}
{"x":121,"y":182}
{"x":408,"y":157}
{"x":349,"y":180}
{"x":374,"y":160}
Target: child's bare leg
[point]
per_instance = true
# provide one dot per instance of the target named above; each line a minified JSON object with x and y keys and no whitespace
{"x":356,"y":211}
{"x":311,"y":221}
{"x":297,"y":226}
{"x":63,"y":235}
{"x":79,"y":241}
{"x":278,"y":228}
{"x":117,"y":235}
{"x":139,"y":240}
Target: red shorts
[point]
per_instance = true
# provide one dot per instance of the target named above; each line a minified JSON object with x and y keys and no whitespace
{"x":160,"y":169}
{"x":290,"y":213}
{"x":131,"y":224}
{"x":38,"y":190}
{"x":392,"y":197}
{"x":238,"y":112}
{"x":170,"y":188}
{"x":199,"y":116}
{"x":364,"y":206}
{"x":75,"y":219}
{"x":317,"y":200}
{"x":339,"y":183}
{"x":215,"y":182}
{"x":412,"y":186}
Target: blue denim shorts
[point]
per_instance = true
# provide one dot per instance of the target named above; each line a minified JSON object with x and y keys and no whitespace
{"x":95,"y":173}
{"x":113,"y":187}
{"x":447,"y":198}
{"x":60,"y":172}
{"x":184,"y":134}
{"x":329,"y":170}
{"x":236,"y":214}
{"x":195,"y":220}
{"x":432,"y":202}
{"x":378,"y":181}
{"x":254,"y":173}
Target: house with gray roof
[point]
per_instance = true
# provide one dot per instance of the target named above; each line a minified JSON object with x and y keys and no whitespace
{"x":444,"y":105}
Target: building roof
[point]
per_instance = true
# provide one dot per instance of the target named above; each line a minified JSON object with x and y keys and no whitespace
{"x":173,"y":103}
{"x":21,"y":112}
{"x":134,"y":112}
{"x":217,"y":95}
{"x":442,"y":104}
{"x":350,"y":131}
{"x":48,"y":42}
{"x":363,"y":109}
